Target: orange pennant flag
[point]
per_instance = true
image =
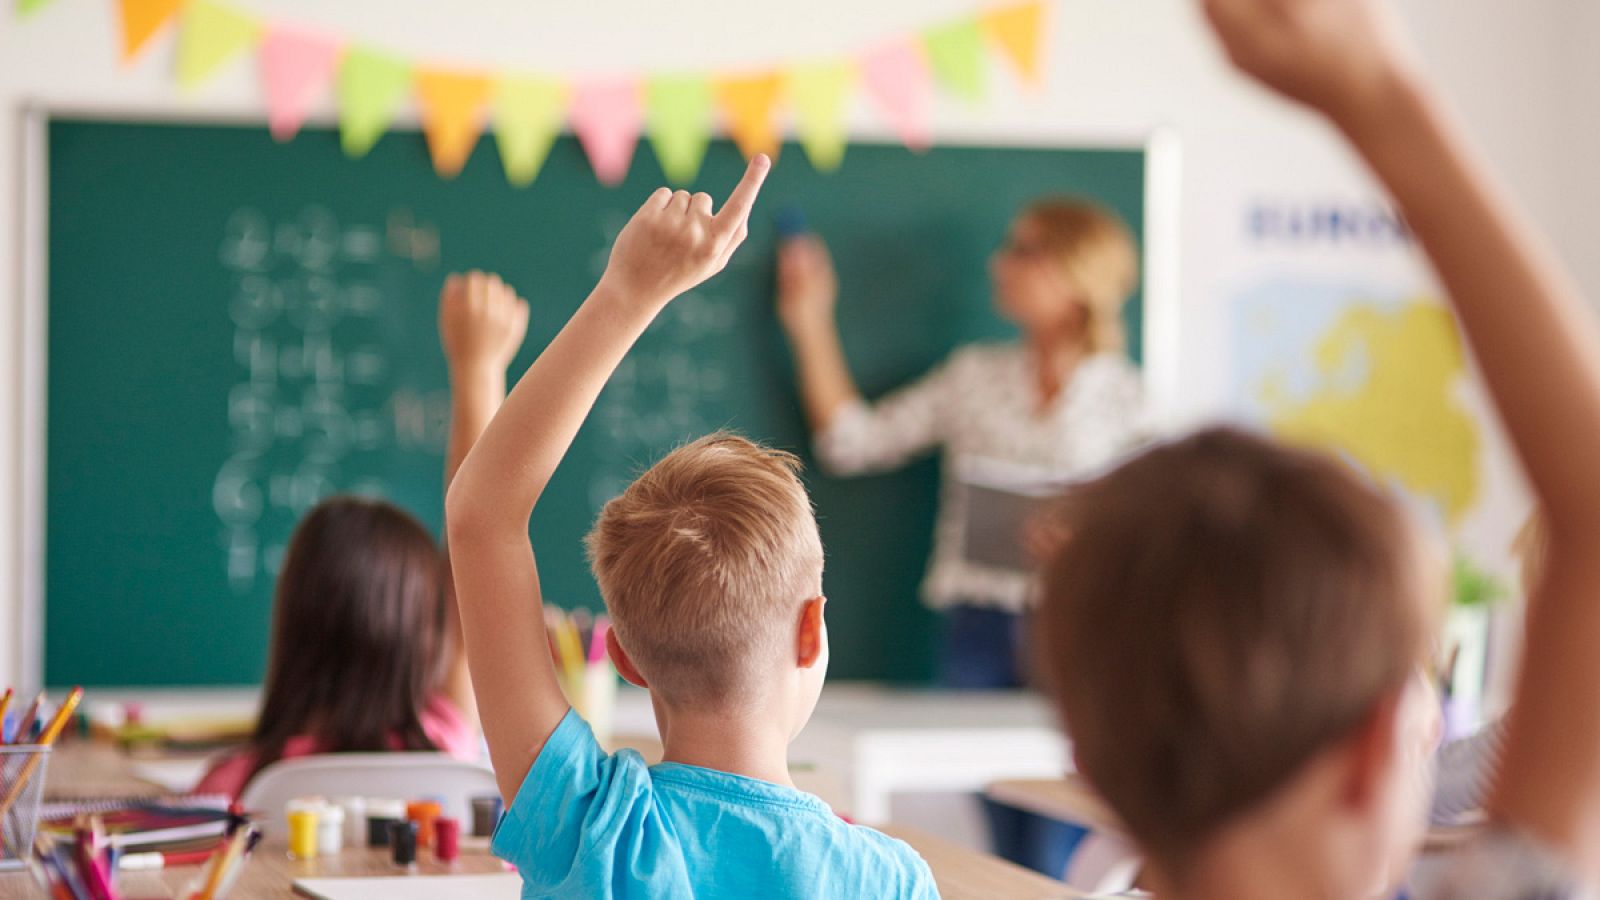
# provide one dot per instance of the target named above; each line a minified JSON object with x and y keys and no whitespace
{"x":749,"y":103}
{"x":452,"y":106}
{"x":141,"y":19}
{"x":1019,"y":30}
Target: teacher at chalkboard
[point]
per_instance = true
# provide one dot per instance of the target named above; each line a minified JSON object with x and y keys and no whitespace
{"x":1059,"y":403}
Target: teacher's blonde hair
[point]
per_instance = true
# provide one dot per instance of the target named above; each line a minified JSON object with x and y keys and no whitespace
{"x":1098,"y":254}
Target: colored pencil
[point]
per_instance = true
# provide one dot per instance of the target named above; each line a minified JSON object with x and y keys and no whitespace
{"x":19,"y":734}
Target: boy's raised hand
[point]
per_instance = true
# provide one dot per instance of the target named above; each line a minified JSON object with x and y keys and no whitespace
{"x":675,"y":242}
{"x":482,"y":322}
{"x":1343,"y":58}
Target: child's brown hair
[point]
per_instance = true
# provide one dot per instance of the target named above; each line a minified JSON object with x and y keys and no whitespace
{"x":358,"y":625}
{"x":704,"y":562}
{"x":1224,"y":609}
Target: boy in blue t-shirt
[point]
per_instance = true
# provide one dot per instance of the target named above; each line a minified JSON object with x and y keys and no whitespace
{"x":711,"y":568}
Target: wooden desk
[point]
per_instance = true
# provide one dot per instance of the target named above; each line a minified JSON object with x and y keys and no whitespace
{"x":81,"y":770}
{"x":1065,"y":799}
{"x":271,"y":873}
{"x":965,"y":874}
{"x":962,"y":874}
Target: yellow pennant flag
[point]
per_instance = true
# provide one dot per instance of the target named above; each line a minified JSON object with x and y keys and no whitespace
{"x":141,"y":19}
{"x":749,"y":103}
{"x":371,"y":86}
{"x":212,"y":34}
{"x":452,"y":105}
{"x":955,"y":51}
{"x":678,"y":120}
{"x":1019,"y":30}
{"x":528,"y":114}
{"x":820,"y":93}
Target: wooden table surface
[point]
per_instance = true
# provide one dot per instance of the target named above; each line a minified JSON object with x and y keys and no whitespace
{"x":87,"y":770}
{"x":963,"y":873}
{"x":1065,"y":799}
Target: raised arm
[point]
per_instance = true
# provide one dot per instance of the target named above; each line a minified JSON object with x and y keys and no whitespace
{"x":1536,"y":344}
{"x":671,"y":244}
{"x":807,"y":295}
{"x":851,"y":438}
{"x":482,"y":322}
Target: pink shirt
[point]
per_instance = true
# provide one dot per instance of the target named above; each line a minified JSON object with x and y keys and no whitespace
{"x":442,"y":722}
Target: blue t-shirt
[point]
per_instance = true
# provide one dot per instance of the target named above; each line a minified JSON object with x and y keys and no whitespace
{"x":589,"y":825}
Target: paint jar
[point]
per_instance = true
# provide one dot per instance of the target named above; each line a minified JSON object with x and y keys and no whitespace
{"x":403,"y":843}
{"x":355,"y":820}
{"x":486,"y":814}
{"x":381,"y":813}
{"x":424,"y":813}
{"x":446,"y":839}
{"x":330,"y":830}
{"x":303,"y":833}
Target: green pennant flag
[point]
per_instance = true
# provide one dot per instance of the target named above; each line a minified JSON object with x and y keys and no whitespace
{"x":819,"y":93}
{"x":212,"y":34}
{"x":371,"y":88}
{"x":955,"y":52}
{"x":528,"y":114}
{"x":678,"y":111}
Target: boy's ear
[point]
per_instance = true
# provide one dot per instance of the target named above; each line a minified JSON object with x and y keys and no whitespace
{"x":619,"y":658}
{"x":812,"y":634}
{"x":1371,"y":751}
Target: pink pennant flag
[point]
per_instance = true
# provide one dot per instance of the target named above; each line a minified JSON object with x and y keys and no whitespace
{"x":606,"y":116}
{"x":897,"y":77}
{"x":295,"y":68}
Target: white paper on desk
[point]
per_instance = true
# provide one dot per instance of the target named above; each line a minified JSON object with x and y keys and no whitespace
{"x":1000,"y":499}
{"x":498,"y":886}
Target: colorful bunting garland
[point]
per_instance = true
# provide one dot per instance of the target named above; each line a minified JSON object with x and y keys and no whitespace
{"x":676,"y":111}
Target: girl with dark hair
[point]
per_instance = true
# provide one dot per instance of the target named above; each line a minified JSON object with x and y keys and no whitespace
{"x":366,"y":652}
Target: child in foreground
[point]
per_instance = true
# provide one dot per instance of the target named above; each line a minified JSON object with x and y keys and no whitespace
{"x":711,"y":569}
{"x":1272,"y":738}
{"x":366,"y":652}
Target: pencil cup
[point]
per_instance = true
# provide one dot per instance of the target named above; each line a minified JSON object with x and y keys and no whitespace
{"x":597,"y":701}
{"x":22,"y":769}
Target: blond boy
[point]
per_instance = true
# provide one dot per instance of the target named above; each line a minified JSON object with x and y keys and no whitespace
{"x":711,"y":567}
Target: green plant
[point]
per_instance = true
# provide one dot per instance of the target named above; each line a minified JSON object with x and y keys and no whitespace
{"x":1473,"y":586}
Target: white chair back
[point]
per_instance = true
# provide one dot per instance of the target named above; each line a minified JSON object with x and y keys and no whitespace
{"x":402,"y":776}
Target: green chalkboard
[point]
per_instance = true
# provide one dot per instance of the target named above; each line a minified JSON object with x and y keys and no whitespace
{"x":238,"y":327}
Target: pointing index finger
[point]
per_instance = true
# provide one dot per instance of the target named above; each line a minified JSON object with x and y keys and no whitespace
{"x":736,"y":211}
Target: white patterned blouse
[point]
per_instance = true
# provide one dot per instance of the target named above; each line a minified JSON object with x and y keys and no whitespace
{"x":981,"y":407}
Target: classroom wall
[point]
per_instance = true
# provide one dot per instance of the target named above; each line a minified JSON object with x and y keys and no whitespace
{"x":1119,"y":69}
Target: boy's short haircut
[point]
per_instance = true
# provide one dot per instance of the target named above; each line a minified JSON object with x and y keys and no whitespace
{"x":704,"y":563}
{"x":1224,"y":609}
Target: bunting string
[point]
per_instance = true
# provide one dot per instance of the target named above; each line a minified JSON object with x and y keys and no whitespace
{"x":525,"y":111}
